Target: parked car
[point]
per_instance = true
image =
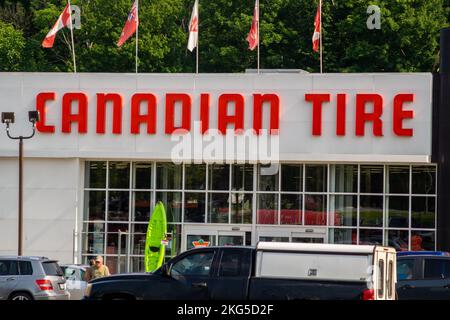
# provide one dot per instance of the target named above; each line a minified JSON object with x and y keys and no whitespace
{"x":423,"y":275}
{"x":269,"y":271}
{"x":74,"y":274}
{"x":31,"y":278}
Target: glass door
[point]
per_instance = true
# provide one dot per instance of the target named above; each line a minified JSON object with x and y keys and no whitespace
{"x":289,"y":235}
{"x":298,"y":237}
{"x":233,"y":238}
{"x":195,"y":237}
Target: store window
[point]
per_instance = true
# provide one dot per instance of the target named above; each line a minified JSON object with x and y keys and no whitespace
{"x":315,"y":178}
{"x":371,"y":211}
{"x":371,"y":179}
{"x":118,"y":205}
{"x":242,"y":177}
{"x":241,"y":208}
{"x":219,"y":177}
{"x":218,"y":207}
{"x":94,"y":205}
{"x":195,"y":177}
{"x":343,"y":210}
{"x":398,"y":239}
{"x":291,"y":209}
{"x":423,"y":212}
{"x":344,"y":178}
{"x":169,"y":176}
{"x":267,"y":208}
{"x":423,"y":180}
{"x":398,"y":212}
{"x":173,"y":204}
{"x":371,"y":237}
{"x":423,"y":240}
{"x":292,"y":177}
{"x":343,"y":236}
{"x":142,"y":203}
{"x":392,"y":205}
{"x":95,"y":174}
{"x":398,"y":179}
{"x":142,"y":175}
{"x":194,"y":207}
{"x":119,"y":175}
{"x":315,"y":210}
{"x":268,"y":177}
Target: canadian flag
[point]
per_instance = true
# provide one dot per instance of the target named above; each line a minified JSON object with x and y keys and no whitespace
{"x":317,"y":22}
{"x":64,"y":20}
{"x":130,"y":26}
{"x":253,"y":36}
{"x":193,"y":28}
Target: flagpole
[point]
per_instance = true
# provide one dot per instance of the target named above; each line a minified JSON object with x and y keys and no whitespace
{"x":71,"y":35}
{"x":320,"y":34}
{"x":257,"y":3}
{"x":198,"y":36}
{"x":137,"y":34}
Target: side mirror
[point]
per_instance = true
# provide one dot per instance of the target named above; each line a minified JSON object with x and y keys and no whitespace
{"x":165,"y":269}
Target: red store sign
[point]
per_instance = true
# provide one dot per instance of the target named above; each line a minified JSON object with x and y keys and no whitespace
{"x":144,"y":108}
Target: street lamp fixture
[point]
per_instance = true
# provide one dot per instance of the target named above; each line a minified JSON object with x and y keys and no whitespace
{"x":9,"y":118}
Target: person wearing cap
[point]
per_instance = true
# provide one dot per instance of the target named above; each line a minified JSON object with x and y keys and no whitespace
{"x":99,"y":270}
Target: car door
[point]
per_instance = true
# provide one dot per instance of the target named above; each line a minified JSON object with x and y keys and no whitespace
{"x":9,"y":277}
{"x":73,"y":283}
{"x":189,"y":277}
{"x":408,"y":278}
{"x":233,"y":275}
{"x":436,"y":278}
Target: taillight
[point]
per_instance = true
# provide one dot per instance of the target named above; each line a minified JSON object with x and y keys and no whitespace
{"x":44,"y":285}
{"x":368,"y":294}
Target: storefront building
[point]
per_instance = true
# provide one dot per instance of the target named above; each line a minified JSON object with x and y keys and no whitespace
{"x":336,"y":158}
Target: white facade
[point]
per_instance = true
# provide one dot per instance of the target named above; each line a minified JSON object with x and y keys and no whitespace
{"x":54,"y":162}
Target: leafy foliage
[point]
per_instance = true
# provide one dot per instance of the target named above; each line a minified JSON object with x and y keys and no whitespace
{"x":408,"y":40}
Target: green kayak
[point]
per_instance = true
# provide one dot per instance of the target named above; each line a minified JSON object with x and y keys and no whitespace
{"x":156,"y":233}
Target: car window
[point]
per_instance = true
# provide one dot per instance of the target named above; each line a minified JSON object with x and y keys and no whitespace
{"x":436,"y":269}
{"x":196,"y":264}
{"x":51,"y":268}
{"x":381,"y":278}
{"x":390,"y":279}
{"x":8,"y":268}
{"x":82,"y":272}
{"x":25,"y":268}
{"x":405,"y":268}
{"x":234,"y":263}
{"x":70,"y":273}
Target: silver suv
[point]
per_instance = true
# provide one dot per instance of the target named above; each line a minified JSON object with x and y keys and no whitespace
{"x":31,"y":278}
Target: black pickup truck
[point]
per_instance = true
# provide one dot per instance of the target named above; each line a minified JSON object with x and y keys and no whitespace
{"x":270,"y":271}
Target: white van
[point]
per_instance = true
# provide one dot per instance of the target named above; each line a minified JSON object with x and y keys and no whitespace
{"x":328,"y":271}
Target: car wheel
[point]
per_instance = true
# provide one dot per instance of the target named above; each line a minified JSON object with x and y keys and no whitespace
{"x":20,"y":296}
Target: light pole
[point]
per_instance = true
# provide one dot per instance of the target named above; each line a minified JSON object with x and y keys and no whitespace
{"x":8,"y":118}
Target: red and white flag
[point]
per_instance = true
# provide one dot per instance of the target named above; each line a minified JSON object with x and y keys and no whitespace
{"x":317,"y":28}
{"x":253,"y":36}
{"x":193,"y":28}
{"x":63,"y":21}
{"x":130,"y":26}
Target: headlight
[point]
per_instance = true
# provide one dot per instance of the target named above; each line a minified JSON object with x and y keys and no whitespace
{"x":87,"y":292}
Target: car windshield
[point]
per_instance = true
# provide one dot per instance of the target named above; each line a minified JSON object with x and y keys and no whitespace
{"x":51,"y":268}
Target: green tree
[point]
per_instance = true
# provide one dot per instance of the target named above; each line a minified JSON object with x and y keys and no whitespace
{"x":407,"y":41}
{"x":12,"y":44}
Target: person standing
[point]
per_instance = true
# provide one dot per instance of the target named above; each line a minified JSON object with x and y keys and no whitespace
{"x":99,"y":270}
